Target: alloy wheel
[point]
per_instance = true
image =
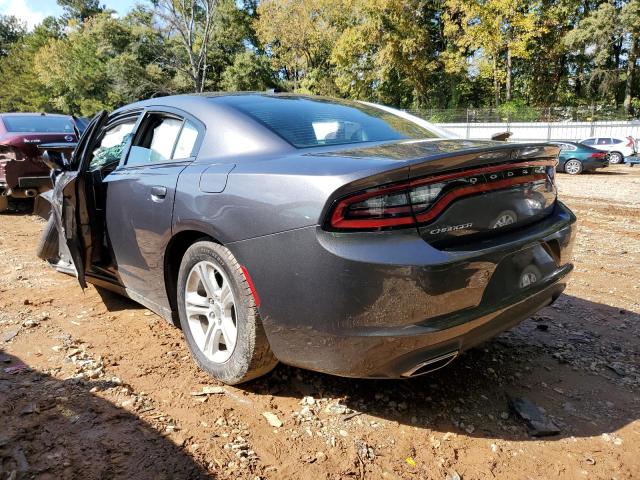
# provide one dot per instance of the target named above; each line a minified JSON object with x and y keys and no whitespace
{"x":573,"y":167}
{"x":211,"y":311}
{"x":615,"y":157}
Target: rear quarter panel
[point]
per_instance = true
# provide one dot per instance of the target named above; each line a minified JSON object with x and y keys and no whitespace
{"x":263,"y":196}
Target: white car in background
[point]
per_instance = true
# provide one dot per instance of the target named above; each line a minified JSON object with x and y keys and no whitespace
{"x":618,"y":147}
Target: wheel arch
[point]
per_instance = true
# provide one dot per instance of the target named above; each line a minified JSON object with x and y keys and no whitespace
{"x":174,"y":252}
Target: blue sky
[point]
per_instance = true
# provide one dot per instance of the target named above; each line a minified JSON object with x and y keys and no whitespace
{"x":33,"y":11}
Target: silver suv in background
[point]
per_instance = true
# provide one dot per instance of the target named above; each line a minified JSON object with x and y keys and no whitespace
{"x":618,"y":147}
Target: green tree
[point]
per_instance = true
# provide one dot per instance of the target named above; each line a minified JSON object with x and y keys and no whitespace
{"x":100,"y":65}
{"x":11,"y":30}
{"x":595,"y":37}
{"x":299,"y":37}
{"x":390,"y":53}
{"x":80,"y":10}
{"x":249,"y":71}
{"x":630,"y":19}
{"x":22,"y":89}
{"x":500,"y":30}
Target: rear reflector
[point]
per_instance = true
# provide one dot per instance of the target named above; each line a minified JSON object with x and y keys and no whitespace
{"x":423,"y":199}
{"x":252,"y":287}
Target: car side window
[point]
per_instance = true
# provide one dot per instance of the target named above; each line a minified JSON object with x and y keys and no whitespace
{"x":604,"y":141}
{"x":113,"y":142}
{"x":156,"y":141}
{"x":589,"y":141}
{"x":186,"y":141}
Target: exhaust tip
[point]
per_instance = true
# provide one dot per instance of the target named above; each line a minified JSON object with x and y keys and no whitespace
{"x":30,"y":193}
{"x":431,"y":365}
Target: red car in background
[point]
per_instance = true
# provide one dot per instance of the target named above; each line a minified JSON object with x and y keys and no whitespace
{"x":23,"y":174}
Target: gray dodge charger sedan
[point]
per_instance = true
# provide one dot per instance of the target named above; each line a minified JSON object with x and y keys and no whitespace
{"x":342,"y":237}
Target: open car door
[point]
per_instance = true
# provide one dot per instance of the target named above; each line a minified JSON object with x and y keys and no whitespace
{"x":68,"y":200}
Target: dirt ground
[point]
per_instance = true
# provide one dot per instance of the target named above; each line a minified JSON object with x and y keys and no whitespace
{"x":94,"y":386}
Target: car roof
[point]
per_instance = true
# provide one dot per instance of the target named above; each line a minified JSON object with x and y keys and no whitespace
{"x":226,"y":98}
{"x":33,"y":114}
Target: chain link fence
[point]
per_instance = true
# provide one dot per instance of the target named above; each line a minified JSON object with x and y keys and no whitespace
{"x":535,"y":124}
{"x":584,"y":113}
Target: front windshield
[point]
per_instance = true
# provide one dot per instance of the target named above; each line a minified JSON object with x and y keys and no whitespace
{"x":312,"y":122}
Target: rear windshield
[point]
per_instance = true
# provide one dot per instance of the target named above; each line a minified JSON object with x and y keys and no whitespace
{"x":37,"y":124}
{"x":306,"y":122}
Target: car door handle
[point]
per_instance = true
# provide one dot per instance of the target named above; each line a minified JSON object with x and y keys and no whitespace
{"x":158,"y":192}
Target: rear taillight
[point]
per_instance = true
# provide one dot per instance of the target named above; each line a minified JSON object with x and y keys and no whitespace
{"x":629,"y":142}
{"x":421,"y":200}
{"x":598,"y":155}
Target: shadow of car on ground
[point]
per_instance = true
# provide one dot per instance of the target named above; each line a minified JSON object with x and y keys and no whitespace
{"x":55,"y":428}
{"x":576,"y":361}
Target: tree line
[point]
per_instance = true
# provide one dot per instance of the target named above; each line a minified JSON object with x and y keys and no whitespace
{"x":407,"y":53}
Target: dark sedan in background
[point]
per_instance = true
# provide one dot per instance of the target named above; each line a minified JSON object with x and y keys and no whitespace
{"x":576,"y":158}
{"x":22,"y":171}
{"x":337,"y":236}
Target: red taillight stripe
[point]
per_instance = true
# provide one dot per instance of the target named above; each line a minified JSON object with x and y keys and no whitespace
{"x":448,"y":198}
{"x":252,"y":287}
{"x":338,"y":220}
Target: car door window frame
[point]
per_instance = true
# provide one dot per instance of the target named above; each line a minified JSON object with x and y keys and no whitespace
{"x":124,"y":117}
{"x":167,"y":112}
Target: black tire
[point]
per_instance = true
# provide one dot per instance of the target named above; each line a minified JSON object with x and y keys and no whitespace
{"x":252,"y":356}
{"x":48,"y":244}
{"x":616,"y":158}
{"x":572,"y":162}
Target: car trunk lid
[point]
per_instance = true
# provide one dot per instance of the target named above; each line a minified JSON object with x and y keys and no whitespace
{"x":497,"y":187}
{"x":454,"y":189}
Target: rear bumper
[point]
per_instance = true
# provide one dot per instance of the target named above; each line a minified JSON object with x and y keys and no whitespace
{"x":16,"y":177}
{"x":377,"y":304}
{"x":591,"y":165}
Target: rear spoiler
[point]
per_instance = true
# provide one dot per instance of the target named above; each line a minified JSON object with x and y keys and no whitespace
{"x":58,"y":146}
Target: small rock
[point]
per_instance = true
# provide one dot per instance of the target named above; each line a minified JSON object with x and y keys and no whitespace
{"x":306,"y":412}
{"x":539,"y":424}
{"x":337,"y":409}
{"x":273,"y":419}
{"x":209,"y":391}
{"x":454,"y":476}
{"x":9,"y":334}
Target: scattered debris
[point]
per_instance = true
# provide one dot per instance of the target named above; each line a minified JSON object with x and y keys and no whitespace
{"x":273,"y":419}
{"x":540,"y":425}
{"x":9,"y":334}
{"x":209,"y":391}
{"x":17,"y":368}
